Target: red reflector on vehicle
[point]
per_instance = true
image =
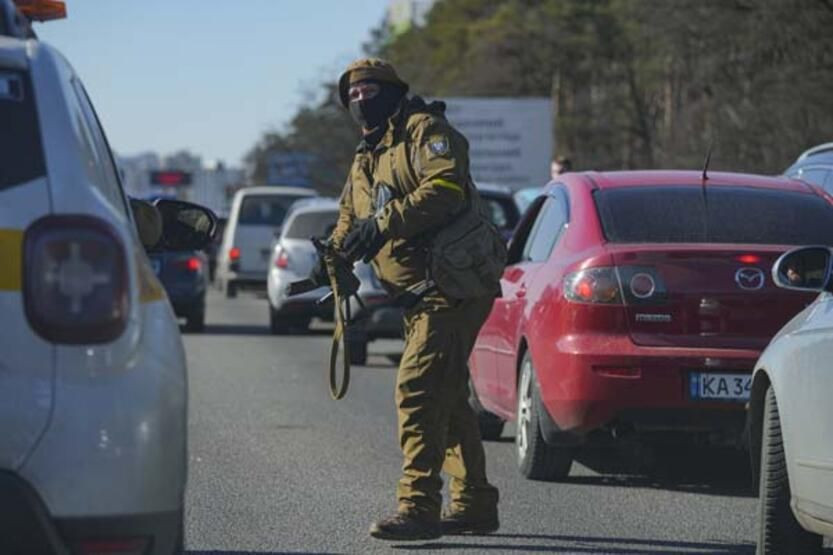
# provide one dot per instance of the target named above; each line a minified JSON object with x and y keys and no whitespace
{"x":749,"y":259}
{"x":282,"y":261}
{"x":618,"y":372}
{"x":234,"y":253}
{"x":193,"y":264}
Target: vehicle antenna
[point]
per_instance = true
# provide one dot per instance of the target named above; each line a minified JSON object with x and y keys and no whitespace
{"x":706,"y":164}
{"x":703,"y":179}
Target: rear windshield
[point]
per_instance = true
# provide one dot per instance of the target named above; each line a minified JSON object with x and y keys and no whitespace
{"x":265,"y":209}
{"x":311,"y":224}
{"x":21,"y":153}
{"x":725,"y":215}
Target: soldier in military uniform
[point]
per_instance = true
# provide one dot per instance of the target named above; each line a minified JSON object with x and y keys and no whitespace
{"x":410,"y":177}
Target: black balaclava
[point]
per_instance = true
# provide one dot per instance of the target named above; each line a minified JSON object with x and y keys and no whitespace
{"x":373,"y":113}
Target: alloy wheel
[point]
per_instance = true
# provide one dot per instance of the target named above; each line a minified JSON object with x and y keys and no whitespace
{"x":524,"y":410}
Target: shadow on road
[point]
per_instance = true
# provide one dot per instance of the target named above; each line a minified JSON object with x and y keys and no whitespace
{"x":582,"y":544}
{"x":704,"y":471}
{"x":214,"y":552}
{"x":230,"y":329}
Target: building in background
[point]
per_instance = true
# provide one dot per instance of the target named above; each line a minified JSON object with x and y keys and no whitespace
{"x":181,"y":175}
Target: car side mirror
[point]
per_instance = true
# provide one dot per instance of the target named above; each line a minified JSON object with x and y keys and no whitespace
{"x":185,"y":226}
{"x":148,"y":222}
{"x":803,"y":269}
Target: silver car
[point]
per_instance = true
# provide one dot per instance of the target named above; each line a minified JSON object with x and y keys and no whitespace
{"x":293,"y":258}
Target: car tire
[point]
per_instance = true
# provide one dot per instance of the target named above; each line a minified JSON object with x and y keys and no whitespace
{"x":277,"y":325}
{"x":358,"y":351}
{"x":231,"y":290}
{"x":491,"y":425}
{"x":195,"y":322}
{"x":537,"y":460}
{"x":778,"y":529}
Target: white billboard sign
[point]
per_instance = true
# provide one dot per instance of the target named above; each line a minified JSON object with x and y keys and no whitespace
{"x":510,"y":139}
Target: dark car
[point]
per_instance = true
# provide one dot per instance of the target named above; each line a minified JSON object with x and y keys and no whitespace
{"x":185,"y":278}
{"x":503,"y":209}
{"x":815,"y":166}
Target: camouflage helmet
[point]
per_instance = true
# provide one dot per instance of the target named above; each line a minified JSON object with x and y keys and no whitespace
{"x":367,"y":68}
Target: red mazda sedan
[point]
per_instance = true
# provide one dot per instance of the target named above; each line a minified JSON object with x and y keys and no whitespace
{"x":636,"y":304}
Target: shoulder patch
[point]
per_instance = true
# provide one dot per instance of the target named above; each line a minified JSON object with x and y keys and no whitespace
{"x":438,"y":145}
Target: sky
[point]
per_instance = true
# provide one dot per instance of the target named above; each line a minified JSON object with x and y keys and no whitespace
{"x":209,"y":76}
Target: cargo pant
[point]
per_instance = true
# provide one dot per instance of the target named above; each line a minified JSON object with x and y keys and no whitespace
{"x":438,"y":430}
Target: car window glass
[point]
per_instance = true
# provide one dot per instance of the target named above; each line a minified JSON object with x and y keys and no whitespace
{"x":265,"y":209}
{"x":544,"y":234}
{"x":828,"y":183}
{"x":497,"y":213}
{"x":109,"y":180}
{"x":21,"y":151}
{"x":815,"y":176}
{"x":524,"y":231}
{"x":729,"y":215}
{"x":92,"y":158}
{"x":311,"y":224}
{"x":503,"y":212}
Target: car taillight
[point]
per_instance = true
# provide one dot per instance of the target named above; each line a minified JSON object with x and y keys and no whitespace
{"x":234,"y":254}
{"x":75,"y":285}
{"x":593,"y":285}
{"x":192,"y":264}
{"x":282,"y":260}
{"x":615,"y":285}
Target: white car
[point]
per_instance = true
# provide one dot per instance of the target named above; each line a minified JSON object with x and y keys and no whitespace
{"x":255,"y":220}
{"x":791,"y":414}
{"x":93,"y":384}
{"x":293,"y":258}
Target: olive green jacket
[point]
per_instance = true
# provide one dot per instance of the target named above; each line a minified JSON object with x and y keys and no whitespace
{"x":425,"y":162}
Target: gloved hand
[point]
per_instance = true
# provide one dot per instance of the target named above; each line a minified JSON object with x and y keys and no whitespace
{"x":364,"y":240}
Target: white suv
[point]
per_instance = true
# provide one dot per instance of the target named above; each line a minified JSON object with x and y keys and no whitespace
{"x":255,"y":221}
{"x":93,"y":385}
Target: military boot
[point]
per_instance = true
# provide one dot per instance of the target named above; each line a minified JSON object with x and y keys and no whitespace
{"x":457,"y":522}
{"x":405,"y":527}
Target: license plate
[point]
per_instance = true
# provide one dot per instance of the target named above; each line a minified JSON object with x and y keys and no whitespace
{"x":156,"y":265}
{"x":723,"y":387}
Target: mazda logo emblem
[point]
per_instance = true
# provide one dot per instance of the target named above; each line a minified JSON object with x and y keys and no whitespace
{"x":750,"y":279}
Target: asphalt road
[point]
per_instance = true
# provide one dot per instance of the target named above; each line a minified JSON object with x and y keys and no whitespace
{"x":276,"y":466}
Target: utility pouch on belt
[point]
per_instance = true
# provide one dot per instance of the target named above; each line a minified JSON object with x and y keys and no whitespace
{"x":467,"y":257}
